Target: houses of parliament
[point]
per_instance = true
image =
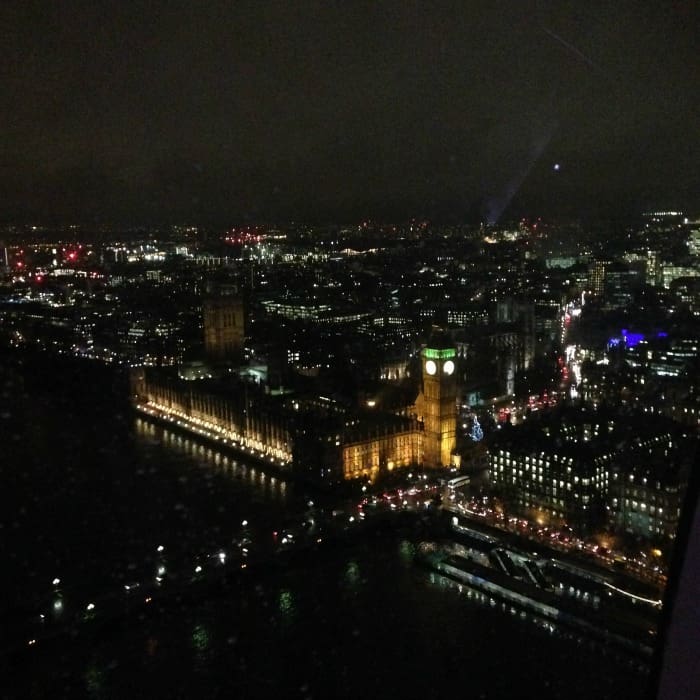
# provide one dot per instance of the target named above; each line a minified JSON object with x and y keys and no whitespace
{"x":313,"y":436}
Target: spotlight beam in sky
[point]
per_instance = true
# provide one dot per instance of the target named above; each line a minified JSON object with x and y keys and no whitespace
{"x":570,"y":47}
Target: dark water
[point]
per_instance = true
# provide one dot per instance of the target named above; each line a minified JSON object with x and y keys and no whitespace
{"x":88,"y":498}
{"x":89,"y":491}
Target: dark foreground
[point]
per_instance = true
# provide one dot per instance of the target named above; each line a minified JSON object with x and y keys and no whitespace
{"x":89,"y":494}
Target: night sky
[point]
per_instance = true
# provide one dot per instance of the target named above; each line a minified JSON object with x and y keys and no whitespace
{"x":336,"y":111}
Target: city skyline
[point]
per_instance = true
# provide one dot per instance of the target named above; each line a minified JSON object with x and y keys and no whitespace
{"x":509,"y":412}
{"x":327,"y":113}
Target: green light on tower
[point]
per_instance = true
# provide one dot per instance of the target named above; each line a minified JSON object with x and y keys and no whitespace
{"x":444,"y":354}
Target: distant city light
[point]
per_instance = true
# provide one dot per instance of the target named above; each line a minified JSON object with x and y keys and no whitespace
{"x":632,"y":339}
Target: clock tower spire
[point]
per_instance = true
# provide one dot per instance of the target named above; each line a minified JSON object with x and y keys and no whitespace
{"x":439,"y":400}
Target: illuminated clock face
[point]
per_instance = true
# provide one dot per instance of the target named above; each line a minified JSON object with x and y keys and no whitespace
{"x":448,"y":367}
{"x":430,"y":367}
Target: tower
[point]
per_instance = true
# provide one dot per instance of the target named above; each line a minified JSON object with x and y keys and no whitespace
{"x":653,"y":268}
{"x":596,"y":276}
{"x":439,"y":401}
{"x":224,"y":331}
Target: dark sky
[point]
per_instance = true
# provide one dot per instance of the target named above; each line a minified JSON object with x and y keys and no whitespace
{"x":223,"y":112}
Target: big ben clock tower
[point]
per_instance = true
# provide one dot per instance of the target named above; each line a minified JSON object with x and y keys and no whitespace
{"x":439,"y":402}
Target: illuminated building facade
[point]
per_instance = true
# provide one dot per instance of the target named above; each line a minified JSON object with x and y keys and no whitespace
{"x":394,"y":370}
{"x":367,"y":456}
{"x":653,"y":267}
{"x":694,"y":242}
{"x":646,"y":505}
{"x":596,"y":277}
{"x":647,"y":491}
{"x":241,"y":415}
{"x":556,"y":483}
{"x":313,"y":437}
{"x":315,"y":312}
{"x":670,"y":272}
{"x":438,"y":403}
{"x":589,"y":469}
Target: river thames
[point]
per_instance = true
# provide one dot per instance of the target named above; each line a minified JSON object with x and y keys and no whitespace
{"x":90,"y":491}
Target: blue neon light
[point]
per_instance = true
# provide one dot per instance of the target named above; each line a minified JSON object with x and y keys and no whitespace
{"x":632,"y":339}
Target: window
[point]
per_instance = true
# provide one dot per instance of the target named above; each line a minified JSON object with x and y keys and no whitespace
{"x":334,"y":183}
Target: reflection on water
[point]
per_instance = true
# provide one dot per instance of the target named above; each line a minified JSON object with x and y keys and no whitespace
{"x":407,"y":552}
{"x":201,"y":641}
{"x":298,"y":633}
{"x":89,"y":500}
{"x":286,"y":605}
{"x":95,"y":681}
{"x":269,"y":486}
{"x":352,"y":575}
{"x":92,"y":504}
{"x":200,"y":638}
{"x":554,"y":630}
